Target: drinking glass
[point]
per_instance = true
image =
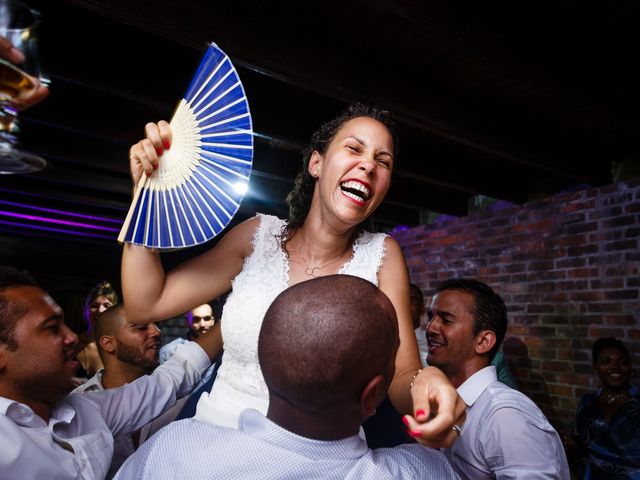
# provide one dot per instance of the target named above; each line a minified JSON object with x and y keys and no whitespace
{"x":18,"y":24}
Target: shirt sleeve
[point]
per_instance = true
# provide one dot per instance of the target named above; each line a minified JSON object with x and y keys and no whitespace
{"x":518,"y":445}
{"x":128,"y":408}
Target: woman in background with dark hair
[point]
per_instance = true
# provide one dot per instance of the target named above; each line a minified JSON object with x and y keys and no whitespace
{"x":346,"y":174}
{"x":608,"y":421}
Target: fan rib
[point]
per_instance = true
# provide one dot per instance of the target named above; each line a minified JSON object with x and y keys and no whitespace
{"x":208,"y":79}
{"x":204,"y":217}
{"x":222,"y":192}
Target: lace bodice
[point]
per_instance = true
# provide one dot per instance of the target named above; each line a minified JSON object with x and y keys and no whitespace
{"x":265,"y":274}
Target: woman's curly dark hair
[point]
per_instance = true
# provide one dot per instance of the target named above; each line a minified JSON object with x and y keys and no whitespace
{"x":299,"y":199}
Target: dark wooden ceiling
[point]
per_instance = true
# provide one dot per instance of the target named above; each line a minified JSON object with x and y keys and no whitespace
{"x":511,"y":100}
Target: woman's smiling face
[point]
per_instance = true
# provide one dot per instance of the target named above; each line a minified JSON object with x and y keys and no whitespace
{"x":613,"y":367}
{"x":354,"y":174}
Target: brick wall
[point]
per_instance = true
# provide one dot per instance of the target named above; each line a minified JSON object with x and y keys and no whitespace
{"x":567,"y":268}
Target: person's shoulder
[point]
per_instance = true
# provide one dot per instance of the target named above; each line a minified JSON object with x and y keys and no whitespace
{"x":508,"y":408}
{"x":499,"y":397}
{"x":186,"y":435}
{"x":411,"y":461}
{"x":248,"y":230}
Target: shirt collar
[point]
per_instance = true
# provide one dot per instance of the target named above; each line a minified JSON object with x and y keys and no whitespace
{"x":257,"y":425}
{"x":5,"y":403}
{"x":20,"y":413}
{"x":23,"y":414}
{"x":473,"y":386}
{"x":95,"y":382}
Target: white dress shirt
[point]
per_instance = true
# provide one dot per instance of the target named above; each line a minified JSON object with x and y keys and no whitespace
{"x":423,"y":346}
{"x":124,"y":445}
{"x":77,"y":443}
{"x":505,"y":435}
{"x":261,"y":449}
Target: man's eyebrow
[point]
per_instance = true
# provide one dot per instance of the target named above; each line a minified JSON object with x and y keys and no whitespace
{"x":53,"y":318}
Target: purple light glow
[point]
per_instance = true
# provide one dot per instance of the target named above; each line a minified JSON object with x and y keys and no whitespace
{"x":60,"y":212}
{"x":59,"y":222}
{"x":56,"y":230}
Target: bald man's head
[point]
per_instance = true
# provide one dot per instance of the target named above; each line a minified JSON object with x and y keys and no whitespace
{"x":109,"y":321}
{"x":323,"y":340}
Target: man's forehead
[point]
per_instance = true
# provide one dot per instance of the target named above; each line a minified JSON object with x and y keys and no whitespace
{"x":33,"y":298}
{"x":202,"y":310}
{"x":452,"y":299}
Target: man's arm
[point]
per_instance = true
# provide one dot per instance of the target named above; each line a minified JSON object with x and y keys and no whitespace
{"x":128,"y":408}
{"x":211,"y":341}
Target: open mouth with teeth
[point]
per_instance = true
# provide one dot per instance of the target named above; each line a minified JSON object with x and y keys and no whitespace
{"x":357,"y":191}
{"x":433,"y":345}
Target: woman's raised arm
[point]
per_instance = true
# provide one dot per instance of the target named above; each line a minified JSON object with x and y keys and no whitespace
{"x":434,"y":397}
{"x":150,"y":294}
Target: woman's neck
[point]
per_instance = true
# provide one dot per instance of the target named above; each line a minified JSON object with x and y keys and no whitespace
{"x":319,"y":242}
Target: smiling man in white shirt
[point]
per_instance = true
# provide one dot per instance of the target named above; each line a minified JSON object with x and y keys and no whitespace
{"x":505,"y":435}
{"x":47,"y":433}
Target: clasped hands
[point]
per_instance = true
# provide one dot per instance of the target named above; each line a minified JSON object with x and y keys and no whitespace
{"x":439,"y":412}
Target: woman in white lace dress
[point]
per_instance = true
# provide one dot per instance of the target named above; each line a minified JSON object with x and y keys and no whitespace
{"x":345,"y":176}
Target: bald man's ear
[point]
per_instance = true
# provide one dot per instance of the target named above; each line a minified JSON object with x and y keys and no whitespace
{"x":107,"y":343}
{"x":372,"y":395}
{"x":485,"y":341}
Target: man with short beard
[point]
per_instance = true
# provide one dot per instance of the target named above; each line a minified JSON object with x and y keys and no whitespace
{"x":128,"y":351}
{"x":47,"y":433}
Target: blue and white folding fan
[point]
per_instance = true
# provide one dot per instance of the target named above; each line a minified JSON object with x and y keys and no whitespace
{"x":202,"y":177}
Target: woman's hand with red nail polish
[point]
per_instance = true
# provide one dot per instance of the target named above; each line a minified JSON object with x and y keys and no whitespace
{"x":437,"y":407}
{"x":145,"y":155}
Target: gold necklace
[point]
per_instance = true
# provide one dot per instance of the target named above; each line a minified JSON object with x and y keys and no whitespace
{"x":310,"y":271}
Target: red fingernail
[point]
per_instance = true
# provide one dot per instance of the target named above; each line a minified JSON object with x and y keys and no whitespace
{"x":405,"y":421}
{"x":158,"y":151}
{"x":155,"y":166}
{"x":413,"y":433}
{"x":166,"y":144}
{"x":420,"y":413}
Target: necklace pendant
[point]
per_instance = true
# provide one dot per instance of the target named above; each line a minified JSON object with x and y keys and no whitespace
{"x":311,"y":271}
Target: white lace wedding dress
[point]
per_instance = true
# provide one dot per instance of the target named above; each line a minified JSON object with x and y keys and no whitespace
{"x":265,"y":274}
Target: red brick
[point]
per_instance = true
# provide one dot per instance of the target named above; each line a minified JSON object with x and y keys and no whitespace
{"x":619,"y":221}
{"x":597,"y":332}
{"x":580,"y":228}
{"x":632,"y":208}
{"x":587,"y":296}
{"x":607,"y":283}
{"x":622,"y":245}
{"x":571,"y":262}
{"x":560,"y":389}
{"x":615,"y":307}
{"x":537,"y":308}
{"x":606,"y":235}
{"x":621,"y":294}
{"x":582,"y":273}
{"x":582,"y":250}
{"x":620,"y":320}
